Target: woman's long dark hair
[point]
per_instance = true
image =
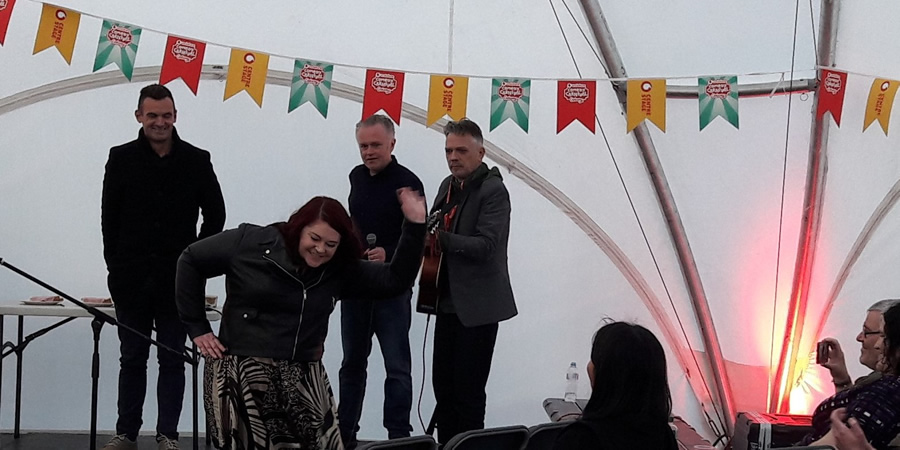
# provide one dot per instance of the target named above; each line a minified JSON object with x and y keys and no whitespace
{"x":892,"y":340}
{"x":630,"y":378}
{"x":331,"y":212}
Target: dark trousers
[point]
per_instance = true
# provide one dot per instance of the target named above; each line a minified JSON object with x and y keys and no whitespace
{"x":141,"y":305}
{"x":462,"y":363}
{"x":389,"y":321}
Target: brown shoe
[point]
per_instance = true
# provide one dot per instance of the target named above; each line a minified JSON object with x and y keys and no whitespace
{"x":165,"y":443}
{"x":121,"y":442}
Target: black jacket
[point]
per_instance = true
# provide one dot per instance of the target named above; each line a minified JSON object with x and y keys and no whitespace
{"x":150,"y":204}
{"x":373,"y":203}
{"x":271,"y":310}
{"x":474,"y":250}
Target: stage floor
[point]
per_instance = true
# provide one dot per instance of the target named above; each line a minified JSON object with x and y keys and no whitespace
{"x":76,"y":440}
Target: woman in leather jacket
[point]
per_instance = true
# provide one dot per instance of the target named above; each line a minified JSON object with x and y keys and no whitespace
{"x":264,"y":385}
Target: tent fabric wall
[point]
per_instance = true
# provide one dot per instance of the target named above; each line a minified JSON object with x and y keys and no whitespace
{"x":727,"y":182}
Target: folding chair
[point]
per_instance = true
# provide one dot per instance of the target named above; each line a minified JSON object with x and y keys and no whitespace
{"x":810,"y":447}
{"x":501,"y":438}
{"x":542,"y":436}
{"x":408,"y":443}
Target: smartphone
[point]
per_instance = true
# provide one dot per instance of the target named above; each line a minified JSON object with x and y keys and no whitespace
{"x":822,"y":349}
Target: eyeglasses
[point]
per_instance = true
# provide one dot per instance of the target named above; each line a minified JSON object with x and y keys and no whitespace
{"x":866,"y":333}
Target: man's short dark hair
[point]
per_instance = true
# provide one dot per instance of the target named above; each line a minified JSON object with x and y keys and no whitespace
{"x":377,"y":119}
{"x":156,"y":92}
{"x":464,"y":127}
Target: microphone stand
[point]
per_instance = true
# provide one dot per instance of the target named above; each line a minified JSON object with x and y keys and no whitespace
{"x":99,"y":319}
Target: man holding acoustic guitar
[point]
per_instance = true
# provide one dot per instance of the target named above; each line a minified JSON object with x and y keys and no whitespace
{"x":473,"y":288}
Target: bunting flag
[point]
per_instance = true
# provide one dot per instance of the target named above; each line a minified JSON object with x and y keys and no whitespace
{"x":118,"y":44}
{"x":247,"y":71}
{"x":718,"y":98}
{"x":509,"y":100}
{"x":6,"y":7}
{"x":384,"y":90}
{"x":831,"y":94}
{"x":576,"y":100}
{"x":447,"y":95}
{"x":881,"y":100}
{"x":183,"y":59}
{"x":646,"y":100}
{"x":58,"y":28}
{"x":311,"y":83}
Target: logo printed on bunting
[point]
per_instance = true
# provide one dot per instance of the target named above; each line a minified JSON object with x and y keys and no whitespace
{"x":447,"y":95}
{"x":247,"y":71}
{"x":646,"y":99}
{"x":509,"y":100}
{"x":576,"y":100}
{"x":718,"y":98}
{"x":831,"y":94}
{"x":183,"y":59}
{"x":118,"y":44}
{"x":880,"y":103}
{"x":383,"y":91}
{"x":311,"y":83}
{"x":6,"y":8}
{"x":58,"y":28}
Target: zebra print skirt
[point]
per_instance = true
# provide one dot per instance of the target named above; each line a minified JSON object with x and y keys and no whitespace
{"x":260,"y":403}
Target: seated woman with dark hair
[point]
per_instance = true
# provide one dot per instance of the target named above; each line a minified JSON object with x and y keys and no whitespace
{"x":630,"y":404}
{"x":874,"y":407}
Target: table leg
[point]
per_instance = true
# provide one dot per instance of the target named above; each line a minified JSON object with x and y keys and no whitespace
{"x":1,"y":359}
{"x":19,"y":378}
{"x":196,"y":440}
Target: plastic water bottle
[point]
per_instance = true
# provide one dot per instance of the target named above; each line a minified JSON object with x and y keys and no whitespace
{"x":571,"y":383}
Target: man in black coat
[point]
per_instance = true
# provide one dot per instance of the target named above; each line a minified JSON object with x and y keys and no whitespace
{"x":473,"y":283}
{"x":153,"y":190}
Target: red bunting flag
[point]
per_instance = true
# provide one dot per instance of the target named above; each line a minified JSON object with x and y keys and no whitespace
{"x":831,"y":94}
{"x":384,"y":90}
{"x":183,"y":59}
{"x":6,"y":7}
{"x":576,"y":100}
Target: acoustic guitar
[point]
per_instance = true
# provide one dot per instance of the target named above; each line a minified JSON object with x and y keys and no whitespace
{"x":427,"y":300}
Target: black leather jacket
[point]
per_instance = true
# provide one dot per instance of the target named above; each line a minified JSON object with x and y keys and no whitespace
{"x":270,"y":311}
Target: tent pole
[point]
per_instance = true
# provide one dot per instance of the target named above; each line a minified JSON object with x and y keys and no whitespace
{"x":615,"y":67}
{"x":810,"y":225}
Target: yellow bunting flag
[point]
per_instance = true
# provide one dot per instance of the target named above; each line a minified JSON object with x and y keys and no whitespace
{"x":646,"y":100}
{"x":881,"y":100}
{"x":247,"y":72}
{"x":58,"y":28}
{"x":447,"y":96}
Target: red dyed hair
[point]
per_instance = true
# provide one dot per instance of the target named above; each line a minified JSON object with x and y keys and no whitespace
{"x":331,"y":212}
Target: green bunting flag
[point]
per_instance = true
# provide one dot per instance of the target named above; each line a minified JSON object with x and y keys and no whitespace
{"x":118,"y":44}
{"x":311,"y":83}
{"x":718,"y":97}
{"x":509,"y":100}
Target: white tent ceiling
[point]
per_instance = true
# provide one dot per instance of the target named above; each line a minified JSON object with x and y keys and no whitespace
{"x":739,"y":192}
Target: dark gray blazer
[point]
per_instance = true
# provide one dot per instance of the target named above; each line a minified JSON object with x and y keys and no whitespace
{"x":474,"y":252}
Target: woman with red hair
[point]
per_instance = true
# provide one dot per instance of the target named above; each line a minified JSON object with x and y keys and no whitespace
{"x":264,"y":384}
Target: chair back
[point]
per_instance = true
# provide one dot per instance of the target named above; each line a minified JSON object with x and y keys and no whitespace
{"x":408,"y":443}
{"x":807,"y":447}
{"x":543,"y":436}
{"x":500,"y":438}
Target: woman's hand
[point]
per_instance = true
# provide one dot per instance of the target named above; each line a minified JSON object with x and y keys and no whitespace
{"x":836,"y":363}
{"x":412,"y":204}
{"x":209,"y":345}
{"x":848,"y":436}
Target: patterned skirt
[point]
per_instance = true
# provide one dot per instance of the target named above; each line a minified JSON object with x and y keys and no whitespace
{"x":260,"y":403}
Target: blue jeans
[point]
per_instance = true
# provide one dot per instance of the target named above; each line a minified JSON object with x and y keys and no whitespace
{"x":389,"y":320}
{"x":141,"y":303}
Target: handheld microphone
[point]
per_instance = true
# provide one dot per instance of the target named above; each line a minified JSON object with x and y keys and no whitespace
{"x":371,"y":238}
